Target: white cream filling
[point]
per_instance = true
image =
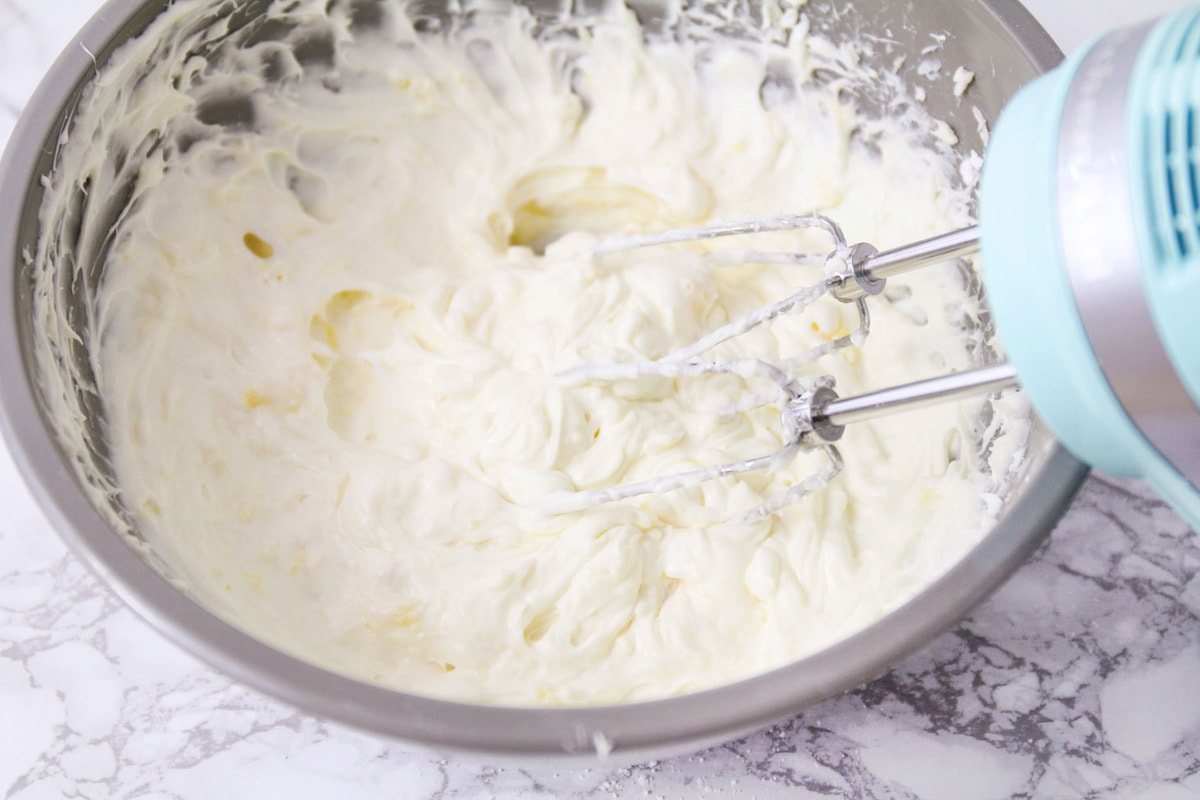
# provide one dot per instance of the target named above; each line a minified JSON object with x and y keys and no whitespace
{"x":331,"y":348}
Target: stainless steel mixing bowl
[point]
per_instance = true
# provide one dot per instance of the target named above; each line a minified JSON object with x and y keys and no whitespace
{"x":997,"y":39}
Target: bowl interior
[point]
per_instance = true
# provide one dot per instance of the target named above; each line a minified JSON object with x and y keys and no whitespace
{"x":71,"y":473}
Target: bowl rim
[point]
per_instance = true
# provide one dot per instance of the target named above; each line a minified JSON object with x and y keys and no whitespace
{"x":637,"y":730}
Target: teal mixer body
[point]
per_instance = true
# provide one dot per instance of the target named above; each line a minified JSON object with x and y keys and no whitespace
{"x":1090,"y":231}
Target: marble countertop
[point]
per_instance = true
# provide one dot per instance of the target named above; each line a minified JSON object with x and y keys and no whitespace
{"x":1079,"y":678}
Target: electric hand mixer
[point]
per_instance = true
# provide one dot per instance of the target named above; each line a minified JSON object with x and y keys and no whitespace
{"x":1090,"y":231}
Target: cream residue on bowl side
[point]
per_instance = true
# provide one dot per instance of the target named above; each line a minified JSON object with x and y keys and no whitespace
{"x":347,"y":277}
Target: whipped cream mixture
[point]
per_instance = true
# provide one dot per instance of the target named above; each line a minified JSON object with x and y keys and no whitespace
{"x":349,"y":270}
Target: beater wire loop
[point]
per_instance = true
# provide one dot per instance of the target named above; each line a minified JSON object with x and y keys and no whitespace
{"x":782,"y":222}
{"x":794,"y":304}
{"x":853,"y":339}
{"x":791,"y":392}
{"x":566,"y":501}
{"x":626,"y":370}
{"x":813,"y":483}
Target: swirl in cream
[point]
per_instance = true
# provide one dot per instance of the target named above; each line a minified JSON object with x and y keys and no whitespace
{"x":337,"y":306}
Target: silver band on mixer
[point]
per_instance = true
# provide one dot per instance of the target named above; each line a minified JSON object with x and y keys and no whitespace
{"x":1101,"y":252}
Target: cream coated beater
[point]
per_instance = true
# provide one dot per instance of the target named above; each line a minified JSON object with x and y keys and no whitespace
{"x":1090,"y":236}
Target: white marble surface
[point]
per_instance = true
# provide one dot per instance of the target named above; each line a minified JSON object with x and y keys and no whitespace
{"x":1079,"y":678}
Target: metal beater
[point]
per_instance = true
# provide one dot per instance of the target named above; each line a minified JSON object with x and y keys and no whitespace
{"x":1090,"y":232}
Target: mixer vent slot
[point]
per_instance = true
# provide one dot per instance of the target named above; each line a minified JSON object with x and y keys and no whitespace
{"x":1182,"y":197}
{"x":1171,"y":138}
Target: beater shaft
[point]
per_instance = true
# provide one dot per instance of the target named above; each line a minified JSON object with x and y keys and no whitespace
{"x":830,"y":415}
{"x":872,"y":268}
